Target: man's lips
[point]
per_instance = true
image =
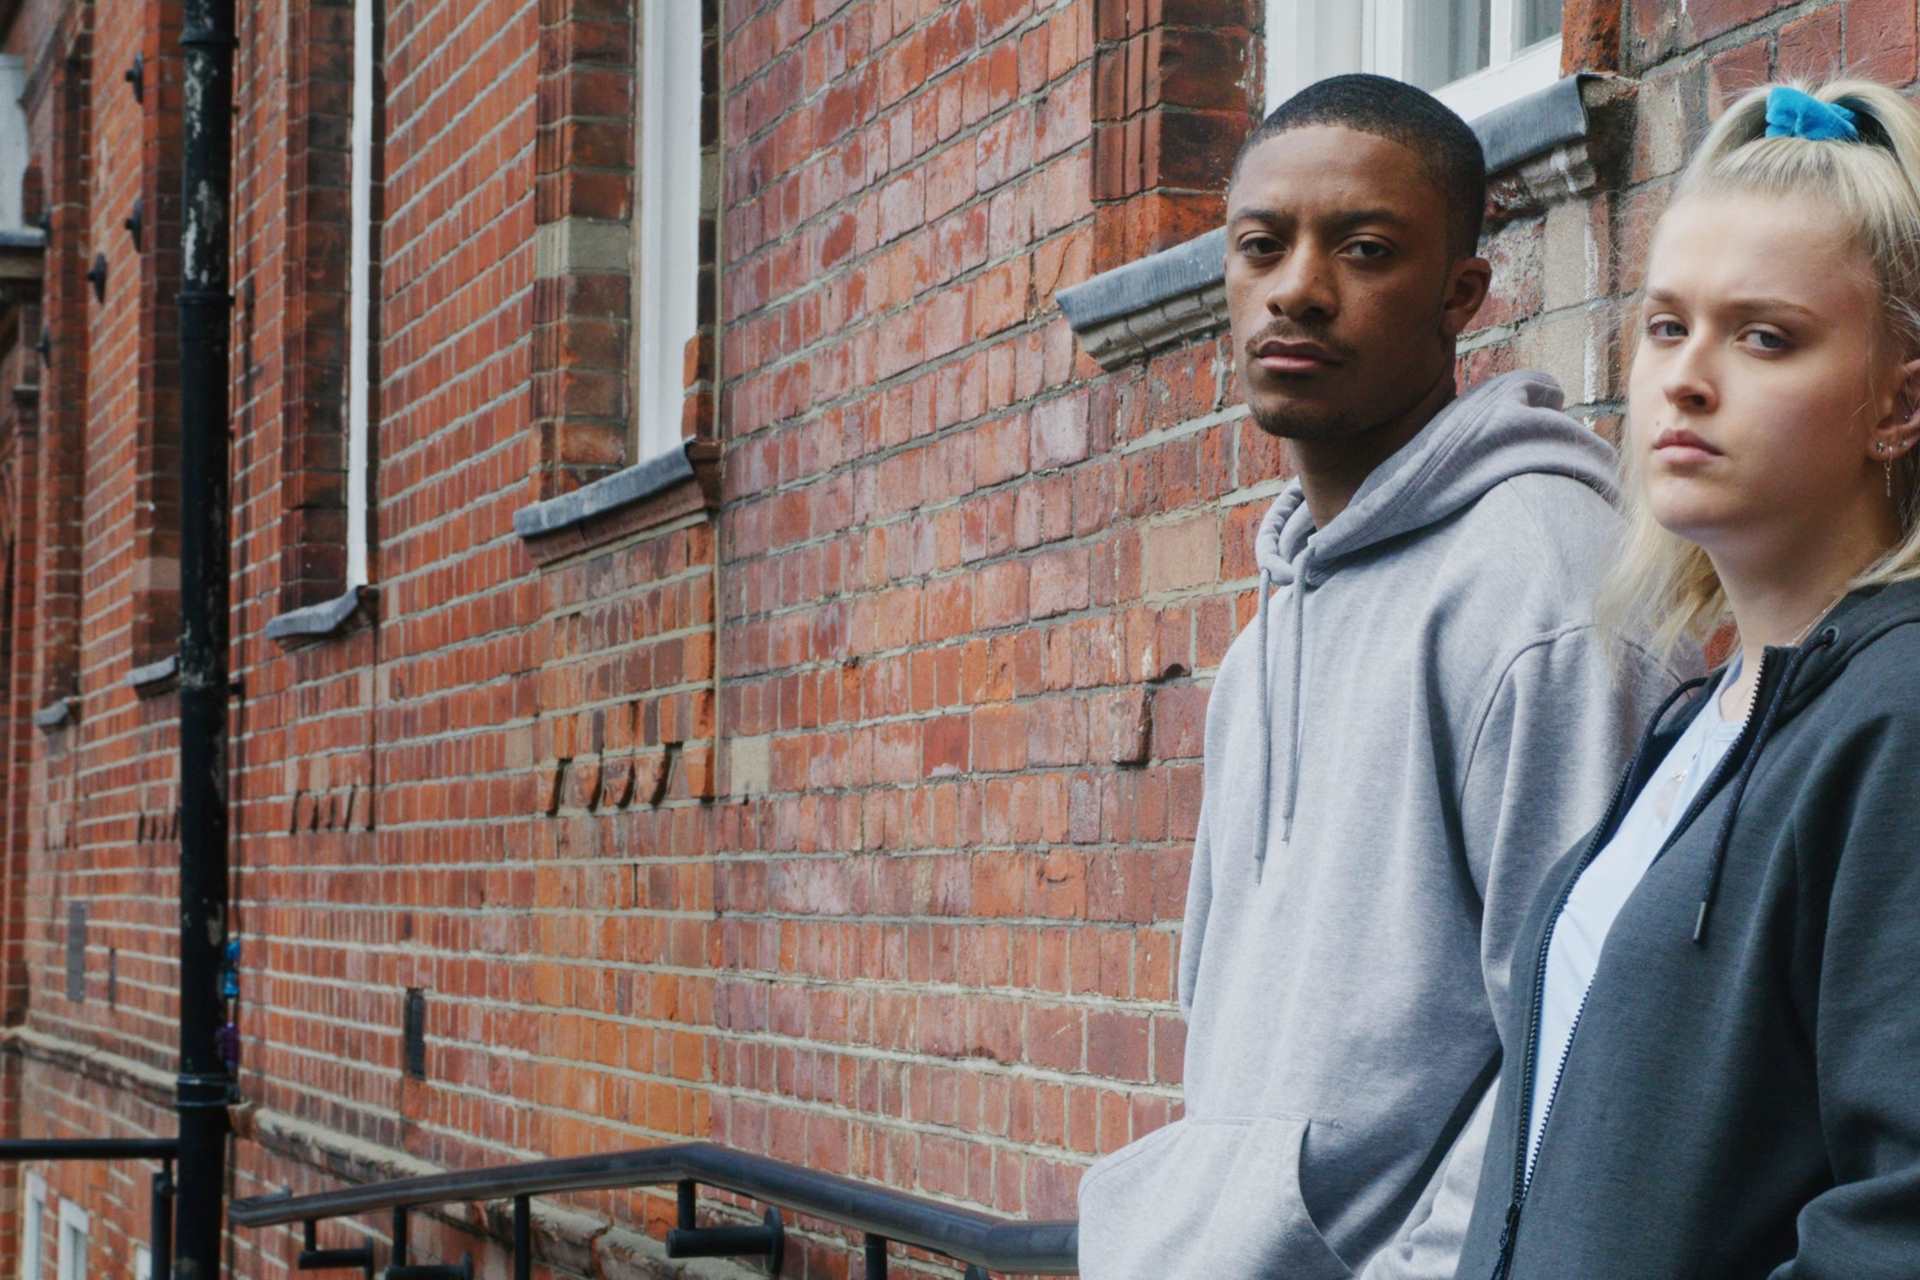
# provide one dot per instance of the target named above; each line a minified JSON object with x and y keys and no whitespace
{"x":1679,"y":445}
{"x":1293,"y":357}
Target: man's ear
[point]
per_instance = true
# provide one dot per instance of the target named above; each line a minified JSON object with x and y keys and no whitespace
{"x":1467,"y":286}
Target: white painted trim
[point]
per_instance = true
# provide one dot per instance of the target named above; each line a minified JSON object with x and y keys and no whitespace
{"x":666,"y":246}
{"x":360,"y":300}
{"x":1331,"y":37}
{"x":1504,"y":35}
{"x":1482,"y":92}
{"x":33,"y":1213}
{"x":142,"y":1262}
{"x":73,"y":1223}
{"x":14,"y":144}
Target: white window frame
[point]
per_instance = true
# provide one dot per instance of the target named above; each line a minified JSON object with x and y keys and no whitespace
{"x":142,"y":1262}
{"x":13,"y":142}
{"x":73,"y":1223}
{"x":360,"y":300}
{"x":33,"y":1213}
{"x":1308,"y":40}
{"x":667,"y":197}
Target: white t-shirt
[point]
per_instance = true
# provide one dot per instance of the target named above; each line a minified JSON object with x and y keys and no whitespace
{"x":1607,"y":883}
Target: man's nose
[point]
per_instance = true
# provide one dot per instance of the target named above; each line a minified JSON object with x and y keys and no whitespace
{"x":1302,"y":286}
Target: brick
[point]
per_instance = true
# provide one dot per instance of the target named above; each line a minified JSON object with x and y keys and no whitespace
{"x":1181,"y":554}
{"x":1809,"y":48}
{"x":1881,"y":40}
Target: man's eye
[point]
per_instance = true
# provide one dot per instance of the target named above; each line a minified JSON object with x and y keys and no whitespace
{"x":1371,"y":250}
{"x":1259,"y":246}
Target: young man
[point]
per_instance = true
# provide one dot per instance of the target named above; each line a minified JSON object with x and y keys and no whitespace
{"x":1420,"y":720}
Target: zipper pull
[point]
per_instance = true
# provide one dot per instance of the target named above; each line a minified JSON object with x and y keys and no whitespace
{"x":1506,"y":1240}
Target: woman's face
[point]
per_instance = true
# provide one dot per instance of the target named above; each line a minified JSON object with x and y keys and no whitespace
{"x":1756,"y":387}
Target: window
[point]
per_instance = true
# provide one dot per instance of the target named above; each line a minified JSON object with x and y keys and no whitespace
{"x":1474,"y":55}
{"x":32,"y":1213}
{"x":73,"y":1241}
{"x":361,"y":332}
{"x":13,"y":142}
{"x":667,"y":198}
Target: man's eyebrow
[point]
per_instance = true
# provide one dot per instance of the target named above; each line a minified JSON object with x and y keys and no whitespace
{"x":1257,"y":213}
{"x":1343,"y":218}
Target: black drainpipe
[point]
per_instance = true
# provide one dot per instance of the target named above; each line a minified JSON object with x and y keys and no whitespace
{"x":205,"y":308}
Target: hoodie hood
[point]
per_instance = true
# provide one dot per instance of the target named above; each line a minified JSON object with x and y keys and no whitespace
{"x":1509,"y":426}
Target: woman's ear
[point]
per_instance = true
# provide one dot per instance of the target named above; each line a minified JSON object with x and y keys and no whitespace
{"x":1901,"y":429}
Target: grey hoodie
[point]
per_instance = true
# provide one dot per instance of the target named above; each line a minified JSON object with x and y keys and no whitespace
{"x":1418,"y":722}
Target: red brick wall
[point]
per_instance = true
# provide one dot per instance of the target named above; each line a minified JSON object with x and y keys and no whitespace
{"x":838,"y":808}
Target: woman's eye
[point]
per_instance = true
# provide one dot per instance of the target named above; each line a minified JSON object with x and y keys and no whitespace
{"x":1664,"y":327}
{"x":1766,"y":340}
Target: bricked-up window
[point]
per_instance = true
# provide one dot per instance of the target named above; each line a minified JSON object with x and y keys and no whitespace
{"x":361,"y":327}
{"x":1474,"y":55}
{"x":668,"y":198}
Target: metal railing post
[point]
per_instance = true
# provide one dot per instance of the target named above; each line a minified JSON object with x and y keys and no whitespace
{"x":160,"y":1223}
{"x":522,"y":1238}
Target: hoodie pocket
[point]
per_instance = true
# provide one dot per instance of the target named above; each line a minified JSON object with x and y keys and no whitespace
{"x":1212,"y":1199}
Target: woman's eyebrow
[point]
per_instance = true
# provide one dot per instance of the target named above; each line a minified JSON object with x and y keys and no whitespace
{"x":1743,"y":305}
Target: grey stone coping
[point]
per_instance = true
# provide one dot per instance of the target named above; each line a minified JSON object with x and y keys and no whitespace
{"x":150,"y":678}
{"x":22,"y":238}
{"x":1168,"y":297}
{"x":57,"y":713}
{"x":317,"y":620}
{"x":642,"y":480}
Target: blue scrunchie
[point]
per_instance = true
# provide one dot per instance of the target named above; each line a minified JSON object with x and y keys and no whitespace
{"x":1793,"y":114}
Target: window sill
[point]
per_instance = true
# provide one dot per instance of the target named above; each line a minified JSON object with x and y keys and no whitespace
{"x":318,"y":621}
{"x":683,"y":480}
{"x":1537,"y":153}
{"x":155,"y":677}
{"x":56,"y":715}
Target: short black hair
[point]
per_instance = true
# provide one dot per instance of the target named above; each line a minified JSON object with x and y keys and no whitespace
{"x":1398,"y":112}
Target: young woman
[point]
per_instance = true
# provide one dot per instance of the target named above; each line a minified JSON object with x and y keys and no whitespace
{"x":1712,"y":1062}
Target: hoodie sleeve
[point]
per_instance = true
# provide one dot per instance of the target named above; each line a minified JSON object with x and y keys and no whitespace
{"x":1545,"y":751}
{"x":1558,"y":727}
{"x":1860,"y":961}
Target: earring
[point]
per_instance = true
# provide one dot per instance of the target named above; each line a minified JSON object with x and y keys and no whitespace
{"x":1884,"y":448}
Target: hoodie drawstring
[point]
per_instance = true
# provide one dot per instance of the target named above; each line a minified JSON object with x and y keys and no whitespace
{"x":1266,"y":734}
{"x":1291,"y":792}
{"x":1768,"y":718}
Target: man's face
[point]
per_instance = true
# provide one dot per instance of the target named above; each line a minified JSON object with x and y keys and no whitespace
{"x":1344,"y":294}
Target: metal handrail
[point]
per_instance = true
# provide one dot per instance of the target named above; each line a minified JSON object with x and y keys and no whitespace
{"x":1001,"y":1244}
{"x":89,"y":1149}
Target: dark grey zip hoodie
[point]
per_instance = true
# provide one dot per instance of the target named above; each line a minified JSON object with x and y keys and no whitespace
{"x":1414,"y":725}
{"x":1742,"y":1094}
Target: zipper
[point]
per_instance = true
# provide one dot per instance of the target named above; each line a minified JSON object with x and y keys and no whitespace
{"x":1524,"y":1164}
{"x":1553,"y":1093}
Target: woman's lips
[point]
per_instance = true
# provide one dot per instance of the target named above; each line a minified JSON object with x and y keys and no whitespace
{"x":1678,"y":446}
